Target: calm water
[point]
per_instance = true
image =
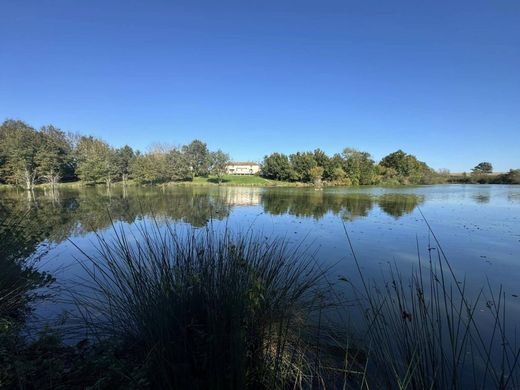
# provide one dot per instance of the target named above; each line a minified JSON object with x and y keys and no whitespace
{"x":478,"y":225}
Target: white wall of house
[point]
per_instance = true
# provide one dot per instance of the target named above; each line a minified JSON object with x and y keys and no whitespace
{"x":242,"y":168}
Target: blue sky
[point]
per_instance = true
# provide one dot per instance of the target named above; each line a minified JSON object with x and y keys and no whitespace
{"x":439,"y":79}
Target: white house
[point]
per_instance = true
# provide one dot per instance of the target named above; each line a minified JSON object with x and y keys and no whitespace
{"x":242,"y":168}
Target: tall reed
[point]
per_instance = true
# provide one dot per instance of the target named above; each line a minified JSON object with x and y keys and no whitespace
{"x":203,"y":309}
{"x":425,"y":332}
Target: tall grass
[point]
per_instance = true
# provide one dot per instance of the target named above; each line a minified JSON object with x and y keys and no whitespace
{"x":425,"y":332}
{"x":202,"y":309}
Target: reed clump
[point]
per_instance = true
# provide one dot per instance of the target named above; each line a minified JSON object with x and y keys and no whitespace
{"x":203,"y":309}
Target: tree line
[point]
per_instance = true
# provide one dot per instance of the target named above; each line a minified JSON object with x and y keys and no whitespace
{"x":350,"y":167}
{"x":49,"y":155}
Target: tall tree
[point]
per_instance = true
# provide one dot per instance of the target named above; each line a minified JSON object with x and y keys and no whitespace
{"x":95,"y":161}
{"x":152,"y":167}
{"x":358,"y":166}
{"x":123,"y":157}
{"x":179,"y":165}
{"x":219,"y":161}
{"x":407,"y":167}
{"x":198,"y":155}
{"x":302,"y":163}
{"x":278,"y":167}
{"x":54,"y":156}
{"x":19,"y":144}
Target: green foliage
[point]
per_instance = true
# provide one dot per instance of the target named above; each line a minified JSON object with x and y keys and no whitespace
{"x":358,"y":166}
{"x":122,"y":159}
{"x":513,"y":176}
{"x":54,"y":156}
{"x":19,"y":144}
{"x":95,"y":160}
{"x":179,"y":165}
{"x":408,"y":169}
{"x":278,"y":167}
{"x":198,"y":157}
{"x":483,"y":168}
{"x":219,"y":161}
{"x":302,"y":163}
{"x":316,"y":174}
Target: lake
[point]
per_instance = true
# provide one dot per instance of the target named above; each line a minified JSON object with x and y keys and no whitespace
{"x":478,"y":226}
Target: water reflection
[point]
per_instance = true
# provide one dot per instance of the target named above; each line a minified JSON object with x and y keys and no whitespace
{"x":56,"y":215}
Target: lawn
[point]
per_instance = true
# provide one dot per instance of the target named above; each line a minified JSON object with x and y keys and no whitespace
{"x":236,"y":180}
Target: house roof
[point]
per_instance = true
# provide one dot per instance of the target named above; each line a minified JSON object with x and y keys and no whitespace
{"x":242,"y":163}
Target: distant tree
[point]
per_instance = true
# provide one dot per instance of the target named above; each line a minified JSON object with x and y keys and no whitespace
{"x":407,"y":167}
{"x":513,"y":176}
{"x":316,"y":175}
{"x":278,"y":167}
{"x":334,"y":170}
{"x":219,"y":161}
{"x":198,"y":156}
{"x":179,"y":165}
{"x":96,"y":161}
{"x":321,"y":158}
{"x":483,"y":168}
{"x":302,"y":163}
{"x":19,"y":144}
{"x":54,"y":155}
{"x":153,"y":167}
{"x":123,"y":158}
{"x":338,"y":174}
{"x":358,"y":166}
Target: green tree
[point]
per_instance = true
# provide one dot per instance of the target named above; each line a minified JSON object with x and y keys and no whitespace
{"x":219,"y":161}
{"x":316,"y":175}
{"x":54,"y":155}
{"x":123,"y":158}
{"x":278,"y":167}
{"x":96,"y":161}
{"x":483,"y":168}
{"x":513,"y":176}
{"x":302,"y":163}
{"x":19,"y":144}
{"x":358,"y":166}
{"x":179,"y":165}
{"x":198,"y":156}
{"x":334,"y":170}
{"x":407,"y":167}
{"x":152,"y":167}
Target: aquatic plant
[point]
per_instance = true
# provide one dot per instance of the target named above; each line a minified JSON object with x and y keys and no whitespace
{"x":205,"y":309}
{"x":424,"y":331}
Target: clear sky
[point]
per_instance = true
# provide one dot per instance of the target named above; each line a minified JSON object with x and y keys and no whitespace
{"x":439,"y":79}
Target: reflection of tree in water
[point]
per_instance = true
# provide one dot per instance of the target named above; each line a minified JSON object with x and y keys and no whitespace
{"x":316,"y":204}
{"x":398,"y":205}
{"x":28,"y":221}
{"x":89,"y":209}
{"x":482,"y":198}
{"x":19,"y":279}
{"x":347,"y":206}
